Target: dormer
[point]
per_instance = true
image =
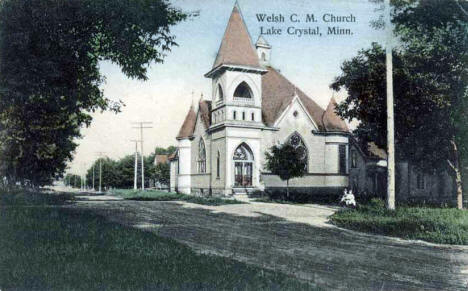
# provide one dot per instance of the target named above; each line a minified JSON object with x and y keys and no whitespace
{"x":263,"y":51}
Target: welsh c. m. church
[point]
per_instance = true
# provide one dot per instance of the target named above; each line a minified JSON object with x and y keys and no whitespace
{"x":222,"y":141}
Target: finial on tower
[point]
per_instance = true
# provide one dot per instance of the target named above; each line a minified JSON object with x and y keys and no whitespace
{"x":236,"y":4}
{"x":263,"y":51}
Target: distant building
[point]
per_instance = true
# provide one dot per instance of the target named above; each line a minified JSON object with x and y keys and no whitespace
{"x":161,"y":159}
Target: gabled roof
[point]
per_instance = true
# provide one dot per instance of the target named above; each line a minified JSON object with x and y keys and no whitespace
{"x":331,"y":121}
{"x":173,"y":156}
{"x":375,"y":152}
{"x":236,"y":47}
{"x":205,"y":112}
{"x":188,"y":126}
{"x":278,"y":92}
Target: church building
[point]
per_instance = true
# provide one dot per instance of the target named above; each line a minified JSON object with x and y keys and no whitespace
{"x":222,"y":141}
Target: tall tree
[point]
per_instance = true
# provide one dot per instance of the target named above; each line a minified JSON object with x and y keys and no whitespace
{"x":49,"y":72}
{"x":430,"y":72}
{"x":286,"y":162}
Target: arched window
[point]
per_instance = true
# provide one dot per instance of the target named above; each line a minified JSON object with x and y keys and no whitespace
{"x":234,"y":115}
{"x":253,"y":116}
{"x":263,"y":57}
{"x":220,"y":93}
{"x":296,"y":141}
{"x":243,"y":91}
{"x":201,"y":157}
{"x":243,"y":166}
{"x":243,"y":115}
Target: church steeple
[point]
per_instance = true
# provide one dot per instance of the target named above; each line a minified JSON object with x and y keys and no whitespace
{"x":236,"y":48}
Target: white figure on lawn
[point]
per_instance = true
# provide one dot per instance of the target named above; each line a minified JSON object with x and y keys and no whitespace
{"x":348,"y":198}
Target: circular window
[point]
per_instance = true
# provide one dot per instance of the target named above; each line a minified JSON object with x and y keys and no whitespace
{"x":295,"y":113}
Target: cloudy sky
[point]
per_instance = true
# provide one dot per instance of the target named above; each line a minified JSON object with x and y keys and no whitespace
{"x":310,"y":62}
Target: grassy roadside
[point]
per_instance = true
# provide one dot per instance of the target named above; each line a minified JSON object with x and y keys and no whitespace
{"x":51,"y":248}
{"x":438,"y":225}
{"x":156,"y":195}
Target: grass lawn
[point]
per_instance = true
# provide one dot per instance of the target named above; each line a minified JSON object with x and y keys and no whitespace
{"x":157,"y":195}
{"x":45,"y":247}
{"x":438,"y":225}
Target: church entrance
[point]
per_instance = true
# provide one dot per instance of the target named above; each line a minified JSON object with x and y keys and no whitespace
{"x":243,"y":166}
{"x":243,"y":174}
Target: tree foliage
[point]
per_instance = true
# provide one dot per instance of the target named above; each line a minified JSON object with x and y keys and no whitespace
{"x":49,"y":72}
{"x":120,"y":173}
{"x":430,"y":71}
{"x":285,"y":161}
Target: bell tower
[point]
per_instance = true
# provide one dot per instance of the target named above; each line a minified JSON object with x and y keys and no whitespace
{"x":236,"y":76}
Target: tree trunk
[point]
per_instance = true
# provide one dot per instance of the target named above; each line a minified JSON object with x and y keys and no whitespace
{"x":455,"y":165}
{"x":287,"y":189}
{"x":458,"y":181}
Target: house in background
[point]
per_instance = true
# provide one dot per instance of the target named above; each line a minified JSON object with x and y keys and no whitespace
{"x":161,"y":159}
{"x":368,"y":176}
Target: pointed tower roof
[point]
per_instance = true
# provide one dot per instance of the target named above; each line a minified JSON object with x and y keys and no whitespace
{"x":331,"y":120}
{"x":236,"y":47}
{"x":186,"y":130}
{"x":262,"y":42}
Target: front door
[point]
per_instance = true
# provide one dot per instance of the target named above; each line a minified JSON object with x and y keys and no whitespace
{"x":243,"y":174}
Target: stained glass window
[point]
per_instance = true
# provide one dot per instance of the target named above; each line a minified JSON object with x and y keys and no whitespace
{"x":201,"y":157}
{"x":296,"y":141}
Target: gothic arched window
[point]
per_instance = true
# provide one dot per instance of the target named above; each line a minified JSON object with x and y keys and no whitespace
{"x":296,"y":141}
{"x":201,"y":157}
{"x":220,"y":93}
{"x":243,"y":91}
{"x":263,"y":56}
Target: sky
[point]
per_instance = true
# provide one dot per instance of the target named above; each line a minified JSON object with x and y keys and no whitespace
{"x":310,"y":62}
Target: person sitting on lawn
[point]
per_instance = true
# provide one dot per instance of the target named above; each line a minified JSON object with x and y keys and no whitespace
{"x":348,"y":199}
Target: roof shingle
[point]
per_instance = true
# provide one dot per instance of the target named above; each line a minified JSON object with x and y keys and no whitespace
{"x":236,"y":47}
{"x":186,"y":130}
{"x":331,"y":121}
{"x":277,"y":94}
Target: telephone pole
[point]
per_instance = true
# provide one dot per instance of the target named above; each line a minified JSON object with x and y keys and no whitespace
{"x":135,"y":183}
{"x":390,"y":116}
{"x":93,"y":177}
{"x":100,"y":154}
{"x":142,"y":125}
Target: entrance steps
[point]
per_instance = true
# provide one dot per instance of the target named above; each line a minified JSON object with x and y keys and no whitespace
{"x":242,"y":193}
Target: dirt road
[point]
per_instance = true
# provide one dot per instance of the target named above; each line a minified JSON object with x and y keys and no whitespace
{"x":297,"y":240}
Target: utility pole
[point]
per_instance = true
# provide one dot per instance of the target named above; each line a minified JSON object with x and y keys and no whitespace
{"x":100,"y":170}
{"x":135,"y":184}
{"x":93,"y":176}
{"x":390,"y":116}
{"x":142,"y":125}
